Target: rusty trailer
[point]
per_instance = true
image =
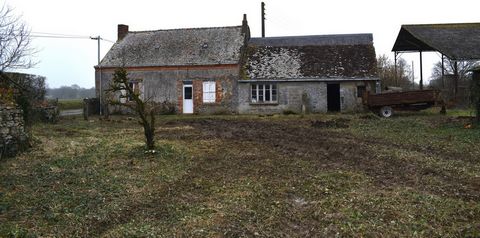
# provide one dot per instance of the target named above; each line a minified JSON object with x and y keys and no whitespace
{"x":385,"y":103}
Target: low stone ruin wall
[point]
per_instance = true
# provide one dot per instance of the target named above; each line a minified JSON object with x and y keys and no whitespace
{"x":13,"y":137}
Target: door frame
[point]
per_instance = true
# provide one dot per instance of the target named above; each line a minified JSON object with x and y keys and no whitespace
{"x":330,"y":106}
{"x":184,"y":104}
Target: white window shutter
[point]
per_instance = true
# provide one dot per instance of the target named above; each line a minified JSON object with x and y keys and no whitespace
{"x":212,"y":86}
{"x":205,"y":91}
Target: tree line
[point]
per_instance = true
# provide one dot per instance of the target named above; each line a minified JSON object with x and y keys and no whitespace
{"x":71,"y":92}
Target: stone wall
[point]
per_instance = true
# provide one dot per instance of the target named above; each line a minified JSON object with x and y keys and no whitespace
{"x":292,"y":95}
{"x":13,"y":137}
{"x":47,"y":114}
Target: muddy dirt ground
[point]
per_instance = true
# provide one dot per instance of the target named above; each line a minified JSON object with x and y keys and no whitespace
{"x":286,"y":158}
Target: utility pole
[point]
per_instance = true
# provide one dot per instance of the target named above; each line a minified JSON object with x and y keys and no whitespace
{"x":263,"y":19}
{"x":98,"y":38}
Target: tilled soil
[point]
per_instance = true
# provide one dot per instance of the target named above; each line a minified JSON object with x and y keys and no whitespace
{"x":284,"y":141}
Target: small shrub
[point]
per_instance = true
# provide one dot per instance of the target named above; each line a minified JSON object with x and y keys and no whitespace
{"x":289,"y":112}
{"x":165,"y":108}
{"x":222,"y":111}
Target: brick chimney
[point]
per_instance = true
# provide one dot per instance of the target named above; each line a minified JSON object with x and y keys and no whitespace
{"x":245,"y":28}
{"x":122,"y":31}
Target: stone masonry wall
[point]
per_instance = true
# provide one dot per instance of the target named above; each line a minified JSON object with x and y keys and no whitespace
{"x":166,"y":84}
{"x":290,"y":97}
{"x":13,"y":137}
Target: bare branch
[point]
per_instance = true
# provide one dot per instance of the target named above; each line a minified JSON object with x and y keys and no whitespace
{"x":15,"y":42}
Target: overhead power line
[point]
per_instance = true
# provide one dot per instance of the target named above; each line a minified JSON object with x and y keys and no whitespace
{"x":63,"y":36}
{"x":56,"y":34}
{"x":59,"y":37}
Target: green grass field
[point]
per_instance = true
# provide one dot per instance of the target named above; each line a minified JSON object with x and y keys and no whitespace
{"x":68,"y":104}
{"x":416,"y":174}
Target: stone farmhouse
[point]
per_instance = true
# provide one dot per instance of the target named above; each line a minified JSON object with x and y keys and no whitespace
{"x":224,"y":70}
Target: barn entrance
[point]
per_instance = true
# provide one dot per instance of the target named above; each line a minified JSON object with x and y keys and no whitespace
{"x":333,"y":97}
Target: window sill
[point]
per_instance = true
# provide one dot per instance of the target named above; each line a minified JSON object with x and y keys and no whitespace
{"x":263,"y":103}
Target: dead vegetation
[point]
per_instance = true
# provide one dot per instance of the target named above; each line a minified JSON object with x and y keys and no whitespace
{"x":276,"y":176}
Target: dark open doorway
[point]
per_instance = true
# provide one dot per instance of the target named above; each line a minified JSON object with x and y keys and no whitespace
{"x":333,"y":97}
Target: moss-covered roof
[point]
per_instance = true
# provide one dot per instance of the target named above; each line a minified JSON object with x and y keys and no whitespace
{"x":177,"y":47}
{"x":300,"y":57}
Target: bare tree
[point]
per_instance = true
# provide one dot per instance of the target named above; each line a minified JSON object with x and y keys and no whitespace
{"x":456,"y":86}
{"x":144,"y":109}
{"x":386,"y":72}
{"x":15,"y":42}
{"x":461,"y":68}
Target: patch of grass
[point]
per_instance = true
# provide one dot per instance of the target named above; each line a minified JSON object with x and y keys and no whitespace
{"x":423,"y":132}
{"x":455,"y":112}
{"x":82,"y":175}
{"x":68,"y":104}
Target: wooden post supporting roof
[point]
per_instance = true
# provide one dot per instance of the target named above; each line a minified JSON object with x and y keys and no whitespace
{"x":395,"y":62}
{"x":421,"y":71}
{"x":476,"y":94}
{"x":443,"y":71}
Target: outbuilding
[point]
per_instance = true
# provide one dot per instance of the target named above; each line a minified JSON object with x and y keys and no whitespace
{"x":321,"y":73}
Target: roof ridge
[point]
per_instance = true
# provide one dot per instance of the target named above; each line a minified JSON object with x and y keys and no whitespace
{"x":190,"y":28}
{"x":325,"y":35}
{"x":442,"y":24}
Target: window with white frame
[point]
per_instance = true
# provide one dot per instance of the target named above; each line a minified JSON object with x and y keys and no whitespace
{"x":264,"y":93}
{"x":209,"y":91}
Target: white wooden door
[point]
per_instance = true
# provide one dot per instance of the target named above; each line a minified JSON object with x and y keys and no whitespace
{"x":187,"y":99}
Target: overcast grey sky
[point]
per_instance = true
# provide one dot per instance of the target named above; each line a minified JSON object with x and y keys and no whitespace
{"x":71,"y":61}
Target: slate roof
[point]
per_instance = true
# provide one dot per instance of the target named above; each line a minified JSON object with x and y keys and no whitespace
{"x":458,"y":41}
{"x":328,"y":57}
{"x":350,"y":39}
{"x":177,"y":47}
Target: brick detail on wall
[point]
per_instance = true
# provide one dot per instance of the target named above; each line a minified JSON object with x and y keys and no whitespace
{"x":198,"y":95}
{"x":218,"y":91}
{"x":180,"y":96}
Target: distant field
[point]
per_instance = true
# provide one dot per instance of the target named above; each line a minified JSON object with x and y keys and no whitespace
{"x":68,"y":104}
{"x":327,"y":175}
